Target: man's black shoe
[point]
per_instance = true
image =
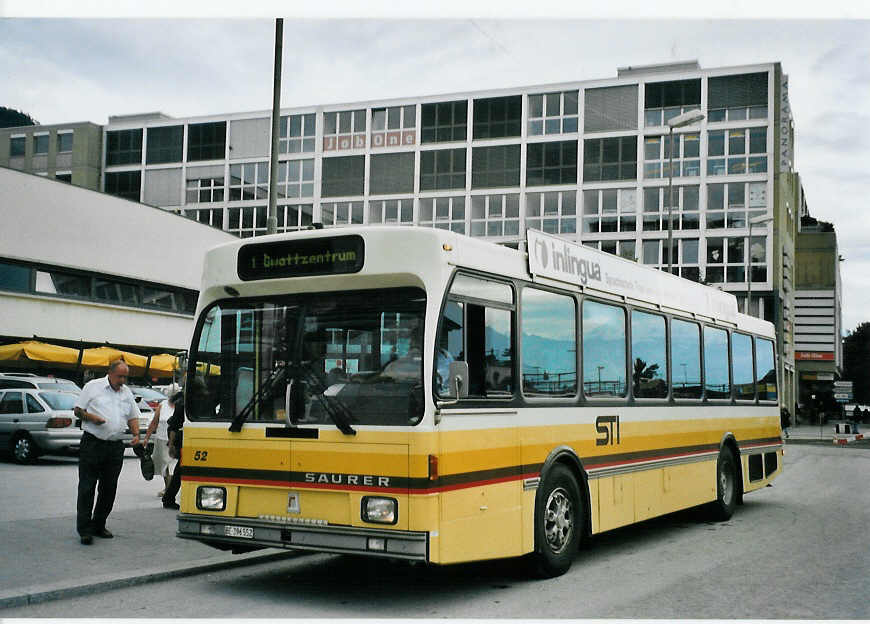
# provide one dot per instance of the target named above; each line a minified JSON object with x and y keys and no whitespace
{"x":87,"y":540}
{"x":104,"y":533}
{"x":171,"y":505}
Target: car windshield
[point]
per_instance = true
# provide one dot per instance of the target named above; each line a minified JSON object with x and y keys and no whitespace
{"x":342,"y":358}
{"x":59,"y":400}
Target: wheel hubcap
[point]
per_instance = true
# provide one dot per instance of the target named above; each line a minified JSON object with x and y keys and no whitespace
{"x":559,"y":520}
{"x":22,"y":449}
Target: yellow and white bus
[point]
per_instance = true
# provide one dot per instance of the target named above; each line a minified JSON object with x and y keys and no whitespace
{"x":416,"y":394}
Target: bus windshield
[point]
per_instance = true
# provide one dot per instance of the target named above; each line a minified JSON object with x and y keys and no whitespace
{"x":344,"y":358}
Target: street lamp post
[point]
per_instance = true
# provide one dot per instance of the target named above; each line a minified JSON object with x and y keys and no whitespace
{"x":755,"y":221}
{"x":687,"y":118}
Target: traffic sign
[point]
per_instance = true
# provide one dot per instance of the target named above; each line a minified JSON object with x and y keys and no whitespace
{"x":843,"y":396}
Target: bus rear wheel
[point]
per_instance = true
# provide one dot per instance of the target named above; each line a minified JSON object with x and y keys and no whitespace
{"x":727,"y":486}
{"x":559,"y":523}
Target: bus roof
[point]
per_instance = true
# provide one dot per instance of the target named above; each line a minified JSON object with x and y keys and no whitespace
{"x":550,"y":260}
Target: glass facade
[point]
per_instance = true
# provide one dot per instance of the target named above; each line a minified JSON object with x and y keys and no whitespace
{"x":589,"y":163}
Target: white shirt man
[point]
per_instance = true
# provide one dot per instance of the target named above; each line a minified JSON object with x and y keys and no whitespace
{"x":106,"y":407}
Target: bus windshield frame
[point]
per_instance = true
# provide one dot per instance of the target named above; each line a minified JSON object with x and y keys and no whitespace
{"x":327,"y":358}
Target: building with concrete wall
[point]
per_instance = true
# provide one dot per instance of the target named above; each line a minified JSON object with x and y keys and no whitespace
{"x":818,"y":317}
{"x":82,"y":268}
{"x":69,"y":152}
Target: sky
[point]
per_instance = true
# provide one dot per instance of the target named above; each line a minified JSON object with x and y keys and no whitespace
{"x":111,"y":58}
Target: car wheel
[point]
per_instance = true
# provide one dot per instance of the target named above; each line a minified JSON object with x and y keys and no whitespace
{"x":23,"y":448}
{"x":559,"y":523}
{"x":727,"y":486}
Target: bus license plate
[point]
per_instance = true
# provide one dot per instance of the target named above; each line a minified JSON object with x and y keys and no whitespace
{"x":237,"y":531}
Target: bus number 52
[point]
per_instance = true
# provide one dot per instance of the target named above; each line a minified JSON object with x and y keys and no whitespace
{"x":608,"y":428}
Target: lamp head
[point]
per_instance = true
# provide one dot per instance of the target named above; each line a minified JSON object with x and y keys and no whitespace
{"x":687,"y":118}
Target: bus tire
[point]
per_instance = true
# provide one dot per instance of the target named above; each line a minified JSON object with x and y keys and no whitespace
{"x":727,"y":486}
{"x":559,"y":523}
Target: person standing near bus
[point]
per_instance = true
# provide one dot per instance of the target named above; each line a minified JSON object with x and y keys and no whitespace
{"x":106,"y":408}
{"x":158,"y":429}
{"x":175,"y":429}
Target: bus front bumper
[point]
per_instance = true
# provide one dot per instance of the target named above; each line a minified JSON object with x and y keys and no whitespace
{"x":251,"y":533}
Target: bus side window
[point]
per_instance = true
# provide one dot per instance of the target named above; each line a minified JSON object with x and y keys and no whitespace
{"x":604,"y":353}
{"x":717,"y":381}
{"x":686,"y":354}
{"x":489,"y":357}
{"x":765,"y":370}
{"x":741,"y":366}
{"x":450,"y":344}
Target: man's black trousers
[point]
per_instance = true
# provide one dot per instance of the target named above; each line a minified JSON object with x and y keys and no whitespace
{"x":100,"y":463}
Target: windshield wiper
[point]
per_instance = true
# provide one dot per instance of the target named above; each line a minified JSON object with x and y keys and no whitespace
{"x":264,"y":390}
{"x":338,"y":412}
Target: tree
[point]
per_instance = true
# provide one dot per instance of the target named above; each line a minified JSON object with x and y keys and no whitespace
{"x":11,"y":118}
{"x":856,"y":362}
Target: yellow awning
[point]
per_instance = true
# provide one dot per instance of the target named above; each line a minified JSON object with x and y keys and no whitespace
{"x":162,"y":365}
{"x":38,"y":352}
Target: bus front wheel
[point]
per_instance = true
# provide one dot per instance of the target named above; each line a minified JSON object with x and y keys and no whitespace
{"x":727,"y":486}
{"x":558,"y":523}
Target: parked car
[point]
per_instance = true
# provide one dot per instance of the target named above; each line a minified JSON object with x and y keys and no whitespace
{"x":33,"y":422}
{"x":29,"y":380}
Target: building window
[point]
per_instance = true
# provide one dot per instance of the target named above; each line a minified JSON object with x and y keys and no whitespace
{"x":666,"y":100}
{"x":732,"y":205}
{"x":726,"y":259}
{"x":610,"y":159}
{"x":390,"y":174}
{"x":164,"y":145}
{"x":249,"y":181}
{"x":735,"y":98}
{"x":64,"y":142}
{"x":495,"y":167}
{"x":610,"y":210}
{"x":737,"y":151}
{"x":341,"y":213}
{"x":124,"y":184}
{"x":208,"y":216}
{"x":62,"y":283}
{"x":17,"y":146}
{"x":442,"y":169}
{"x":684,"y":216}
{"x":394,"y":126}
{"x":296,"y":133}
{"x":651,"y":252}
{"x":14,"y":277}
{"x":343,"y":176}
{"x":124,"y":147}
{"x":247,"y":221}
{"x":553,"y":113}
{"x":623,"y":248}
{"x":344,"y":130}
{"x":554,"y":212}
{"x":495,"y":215}
{"x":551,"y":163}
{"x":657,"y":158}
{"x":207,"y":141}
{"x":294,"y":217}
{"x":63,"y":176}
{"x":296,"y":178}
{"x":444,"y":121}
{"x":205,"y":190}
{"x":445,"y":213}
{"x":610,"y":108}
{"x":498,"y":117}
{"x":392,"y":211}
{"x":40,"y":144}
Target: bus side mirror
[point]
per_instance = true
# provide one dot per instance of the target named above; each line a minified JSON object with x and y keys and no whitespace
{"x":458,"y":380}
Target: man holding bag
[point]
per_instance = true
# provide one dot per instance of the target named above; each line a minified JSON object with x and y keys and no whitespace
{"x":106,"y":408}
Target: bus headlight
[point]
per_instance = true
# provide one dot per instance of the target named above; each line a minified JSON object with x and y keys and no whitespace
{"x":211,"y":498}
{"x":380,"y":510}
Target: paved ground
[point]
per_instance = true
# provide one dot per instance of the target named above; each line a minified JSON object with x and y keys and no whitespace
{"x":43,"y":559}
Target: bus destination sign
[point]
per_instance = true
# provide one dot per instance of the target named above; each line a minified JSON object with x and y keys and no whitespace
{"x":301,"y":257}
